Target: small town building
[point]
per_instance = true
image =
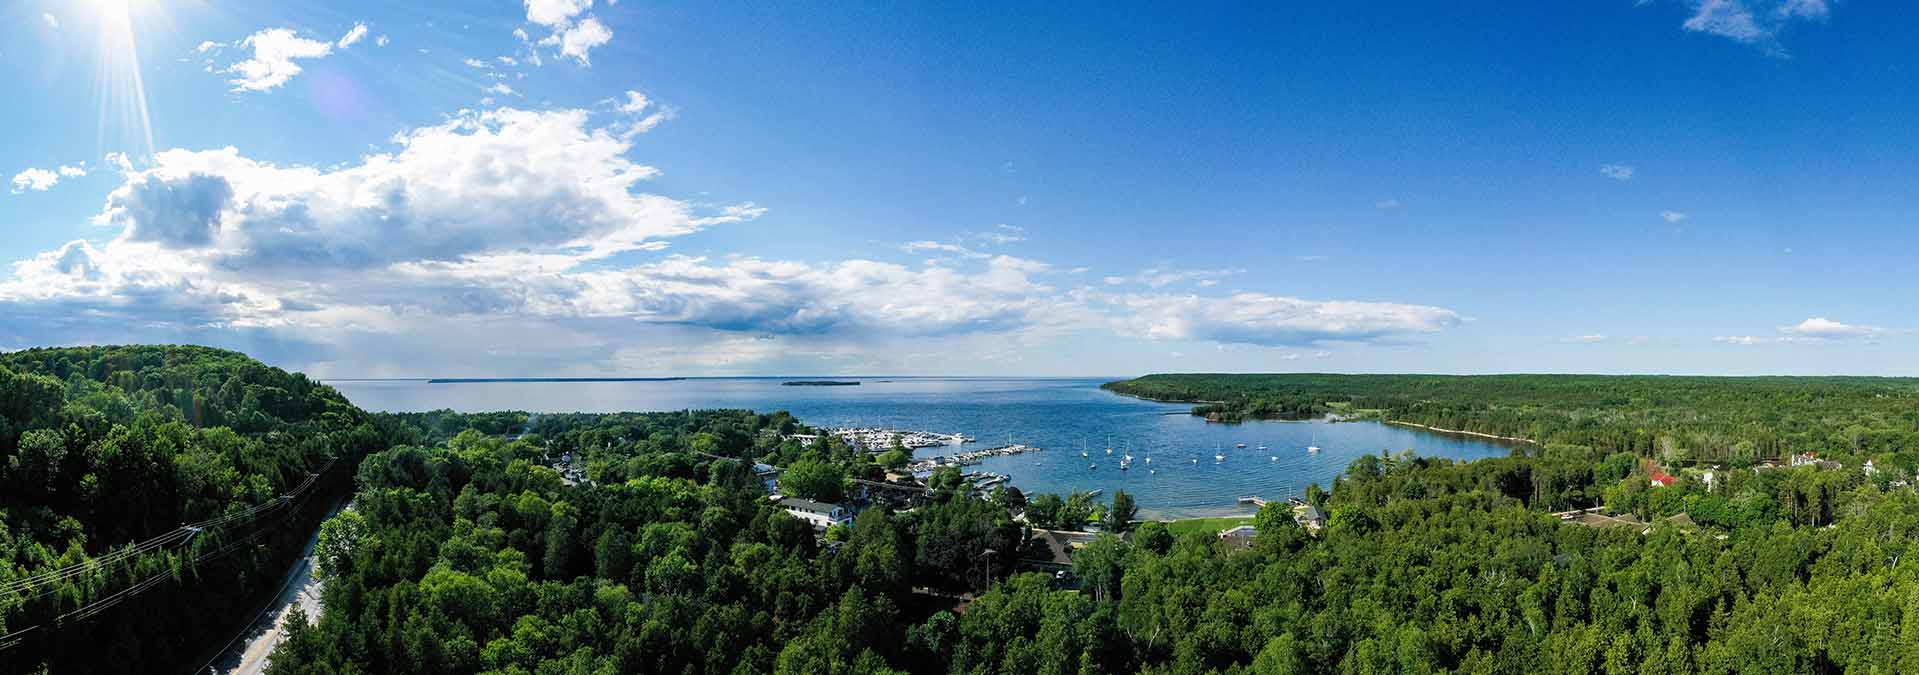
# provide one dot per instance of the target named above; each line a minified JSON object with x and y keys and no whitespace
{"x":1310,"y":516}
{"x":1239,"y":537}
{"x":769,"y":476}
{"x":820,"y":514}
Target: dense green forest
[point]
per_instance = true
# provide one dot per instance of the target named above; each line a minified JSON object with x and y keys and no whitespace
{"x":469,"y":556}
{"x":154,"y":495}
{"x":1739,"y":420}
{"x":107,"y":453}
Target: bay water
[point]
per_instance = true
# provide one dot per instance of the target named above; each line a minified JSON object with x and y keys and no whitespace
{"x":1062,"y":416}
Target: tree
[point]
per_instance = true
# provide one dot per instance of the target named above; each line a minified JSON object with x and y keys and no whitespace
{"x":813,"y":479}
{"x":895,"y":460}
{"x":1100,"y":565}
{"x":1119,"y":517}
{"x":1153,"y":536}
{"x":1044,"y":510}
{"x":339,"y":537}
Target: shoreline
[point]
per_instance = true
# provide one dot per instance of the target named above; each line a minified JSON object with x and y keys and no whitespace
{"x":1428,"y":427}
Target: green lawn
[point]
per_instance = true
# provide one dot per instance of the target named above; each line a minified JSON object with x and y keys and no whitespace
{"x":1207,"y":525}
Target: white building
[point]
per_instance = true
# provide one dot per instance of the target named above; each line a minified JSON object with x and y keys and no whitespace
{"x":821,"y":515}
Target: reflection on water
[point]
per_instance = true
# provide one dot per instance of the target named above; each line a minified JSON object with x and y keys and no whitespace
{"x":1059,"y":415}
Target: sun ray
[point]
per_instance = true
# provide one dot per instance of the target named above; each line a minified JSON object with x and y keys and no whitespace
{"x":122,"y":90}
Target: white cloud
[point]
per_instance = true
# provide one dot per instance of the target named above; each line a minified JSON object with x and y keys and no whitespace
{"x":52,"y":22}
{"x":356,"y":34}
{"x":1161,"y":278}
{"x":520,"y":241}
{"x":41,"y":180}
{"x":275,"y":51}
{"x":1387,"y":203}
{"x":1813,"y":330}
{"x":1620,"y":172}
{"x":119,"y":160}
{"x":1821,"y":327}
{"x":475,"y":63}
{"x":499,"y":88}
{"x":38,"y":180}
{"x":634,"y":104}
{"x":1582,"y":339}
{"x":574,"y":31}
{"x":507,"y":60}
{"x":482,"y":182}
{"x":1754,"y":22}
{"x":577,"y":41}
{"x":1672,"y":216}
{"x":555,"y":14}
{"x":380,"y":41}
{"x":1751,"y":340}
{"x":1271,"y":320}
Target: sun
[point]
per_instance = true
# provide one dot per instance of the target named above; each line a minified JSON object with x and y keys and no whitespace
{"x":119,"y":85}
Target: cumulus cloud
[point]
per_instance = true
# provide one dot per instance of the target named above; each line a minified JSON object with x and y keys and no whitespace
{"x":577,"y":41}
{"x":555,"y":13}
{"x":1619,"y":172}
{"x":575,"y":32}
{"x":38,"y":180}
{"x":520,"y":241}
{"x":501,"y":179}
{"x":1271,"y":320}
{"x":1672,"y":216}
{"x":275,"y":52}
{"x":1754,"y":22}
{"x":52,"y":22}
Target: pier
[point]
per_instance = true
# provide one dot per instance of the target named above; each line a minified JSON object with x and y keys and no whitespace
{"x":876,"y":439}
{"x":969,"y":457}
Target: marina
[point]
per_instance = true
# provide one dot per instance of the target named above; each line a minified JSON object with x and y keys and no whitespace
{"x":968,"y":458}
{"x":1173,"y":473}
{"x":876,"y":439}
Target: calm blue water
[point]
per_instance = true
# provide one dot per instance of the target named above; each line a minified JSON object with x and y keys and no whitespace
{"x":1059,"y":415}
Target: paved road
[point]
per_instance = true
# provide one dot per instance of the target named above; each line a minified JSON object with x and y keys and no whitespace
{"x":248,"y":653}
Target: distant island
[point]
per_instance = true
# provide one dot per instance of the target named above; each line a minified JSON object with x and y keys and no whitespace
{"x":820,"y":383}
{"x":477,"y":380}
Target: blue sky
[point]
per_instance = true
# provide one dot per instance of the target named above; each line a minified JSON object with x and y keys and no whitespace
{"x":567,"y":186}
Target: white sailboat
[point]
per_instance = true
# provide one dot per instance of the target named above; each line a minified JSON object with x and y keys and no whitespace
{"x":1314,"y":448}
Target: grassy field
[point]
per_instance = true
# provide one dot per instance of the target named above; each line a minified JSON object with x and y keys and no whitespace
{"x":1207,"y":525}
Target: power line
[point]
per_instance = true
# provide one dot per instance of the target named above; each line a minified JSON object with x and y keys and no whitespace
{"x":170,"y":542}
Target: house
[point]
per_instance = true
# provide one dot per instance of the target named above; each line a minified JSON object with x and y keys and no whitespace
{"x":1239,"y":537}
{"x":1805,"y":459}
{"x":1658,"y":476}
{"x":769,"y":476}
{"x":1049,"y":550}
{"x":1309,"y":516}
{"x":820,"y":514}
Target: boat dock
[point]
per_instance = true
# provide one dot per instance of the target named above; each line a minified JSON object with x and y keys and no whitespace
{"x":969,"y":457}
{"x":879,"y":439}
